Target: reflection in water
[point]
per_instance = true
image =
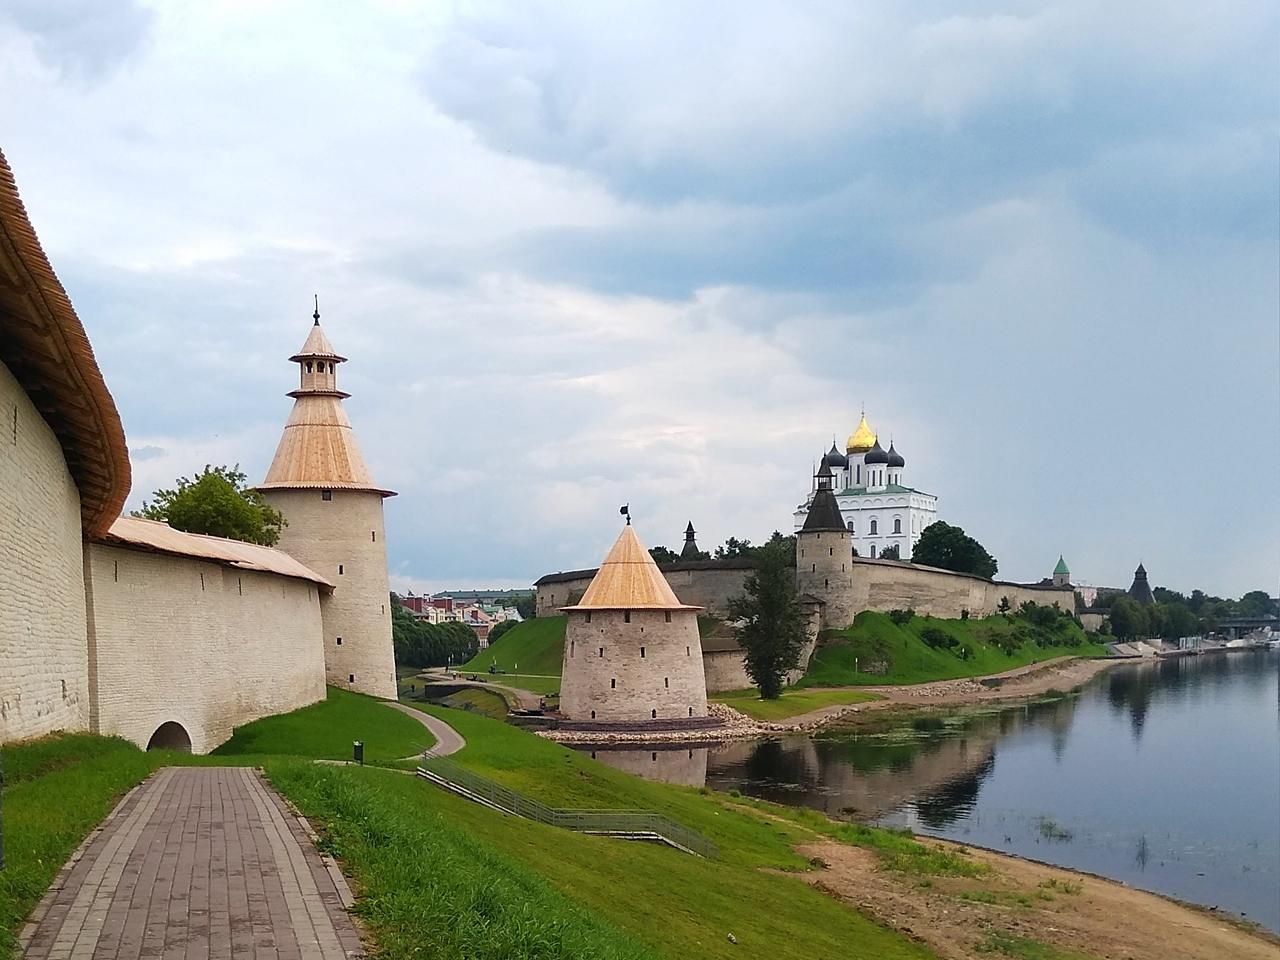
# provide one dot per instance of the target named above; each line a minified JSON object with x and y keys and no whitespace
{"x":670,"y":763}
{"x":1165,"y":774}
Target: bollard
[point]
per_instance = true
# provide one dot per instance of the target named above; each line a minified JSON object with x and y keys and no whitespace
{"x":357,"y":749}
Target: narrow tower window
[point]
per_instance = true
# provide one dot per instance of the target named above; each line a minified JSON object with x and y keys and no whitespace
{"x":602,"y":651}
{"x":653,"y":715}
{"x":351,"y":678}
{"x":642,"y":653}
{"x":666,"y":682}
{"x":873,"y":527}
{"x":613,"y":683}
{"x":339,"y":641}
{"x":373,"y":535}
{"x":626,"y":616}
{"x":668,"y":616}
{"x":326,"y":495}
{"x":588,"y":616}
{"x":339,"y":569}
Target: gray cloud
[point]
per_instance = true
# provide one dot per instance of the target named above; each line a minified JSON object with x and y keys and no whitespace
{"x":85,"y":39}
{"x":663,"y":255}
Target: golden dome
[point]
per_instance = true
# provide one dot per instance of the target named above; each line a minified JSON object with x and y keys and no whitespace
{"x":862,"y":439}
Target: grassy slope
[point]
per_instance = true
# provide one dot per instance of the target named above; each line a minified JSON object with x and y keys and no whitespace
{"x":536,"y":645}
{"x":679,"y":905}
{"x":874,"y":636}
{"x":453,"y":878}
{"x":326,"y":730}
{"x":792,"y":703}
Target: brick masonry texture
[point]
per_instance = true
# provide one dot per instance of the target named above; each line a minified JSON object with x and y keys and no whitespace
{"x":197,"y":863}
{"x":343,"y":540}
{"x":43,"y":668}
{"x":648,"y":666}
{"x":201,"y":644}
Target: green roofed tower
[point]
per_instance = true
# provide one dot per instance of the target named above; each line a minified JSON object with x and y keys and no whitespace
{"x":1061,"y":575}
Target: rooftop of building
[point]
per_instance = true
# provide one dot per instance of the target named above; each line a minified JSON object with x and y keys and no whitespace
{"x":629,"y":580}
{"x":157,"y":537}
{"x":45,"y":347}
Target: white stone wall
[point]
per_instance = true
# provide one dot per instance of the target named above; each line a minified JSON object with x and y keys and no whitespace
{"x":634,"y":671}
{"x":725,"y":670}
{"x":343,"y":540}
{"x":201,"y":644}
{"x":709,"y":588}
{"x":885,"y":585}
{"x":44,"y":682}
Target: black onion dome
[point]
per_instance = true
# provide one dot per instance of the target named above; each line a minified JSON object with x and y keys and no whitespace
{"x":835,"y":458}
{"x":895,"y":458}
{"x":876,"y":454}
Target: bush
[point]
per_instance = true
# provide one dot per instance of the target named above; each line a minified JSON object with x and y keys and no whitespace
{"x":901,"y":617}
{"x":964,"y":614}
{"x":938,"y":639}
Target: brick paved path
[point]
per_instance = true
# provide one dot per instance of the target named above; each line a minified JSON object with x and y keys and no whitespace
{"x":197,"y":862}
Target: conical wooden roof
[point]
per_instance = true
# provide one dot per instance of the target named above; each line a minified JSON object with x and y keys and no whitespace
{"x":317,"y":345}
{"x":629,"y":580}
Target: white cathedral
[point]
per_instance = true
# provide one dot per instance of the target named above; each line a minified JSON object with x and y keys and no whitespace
{"x":879,"y":510}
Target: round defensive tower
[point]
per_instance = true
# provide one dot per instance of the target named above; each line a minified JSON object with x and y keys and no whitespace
{"x":824,"y":556}
{"x":632,"y":654}
{"x":319,"y":481}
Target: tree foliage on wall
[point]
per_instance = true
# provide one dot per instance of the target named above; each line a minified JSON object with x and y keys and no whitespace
{"x":735,"y":549}
{"x":771,"y":627}
{"x":662,"y":554}
{"x":948,"y":547}
{"x":216,"y":502}
{"x":421,"y":644}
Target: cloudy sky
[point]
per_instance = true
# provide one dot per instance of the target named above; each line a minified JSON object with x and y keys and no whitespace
{"x":582,"y":254}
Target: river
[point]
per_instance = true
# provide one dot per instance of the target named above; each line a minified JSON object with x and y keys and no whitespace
{"x":1163,"y":775}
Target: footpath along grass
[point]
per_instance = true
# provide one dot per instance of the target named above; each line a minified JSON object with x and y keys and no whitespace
{"x":792,"y":703}
{"x":673,"y":904}
{"x":56,"y":790}
{"x":325,"y":730}
{"x":903,"y":656}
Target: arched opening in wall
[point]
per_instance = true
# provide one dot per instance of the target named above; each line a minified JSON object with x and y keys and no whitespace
{"x":170,"y":736}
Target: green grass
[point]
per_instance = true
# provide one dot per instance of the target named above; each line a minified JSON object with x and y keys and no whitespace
{"x":537,"y":645}
{"x":57,"y":790}
{"x":673,"y":904}
{"x":900,"y":851}
{"x":486,"y":702}
{"x":436,"y":886}
{"x":906,"y":658}
{"x":792,"y":702}
{"x":326,"y":730}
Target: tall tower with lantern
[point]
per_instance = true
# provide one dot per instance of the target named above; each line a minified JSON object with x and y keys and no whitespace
{"x":333,"y":509}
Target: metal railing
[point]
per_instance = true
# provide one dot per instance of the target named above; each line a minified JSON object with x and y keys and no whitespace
{"x":633,"y":824}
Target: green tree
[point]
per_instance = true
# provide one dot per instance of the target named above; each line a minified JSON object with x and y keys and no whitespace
{"x":1256,"y":603}
{"x":948,"y":547}
{"x":663,"y":555}
{"x":1177,"y":620}
{"x":527,"y":606}
{"x":499,"y":629}
{"x":217,"y":502}
{"x":771,"y":628}
{"x":891,"y":553}
{"x":733,"y":549}
{"x":1128,"y":619}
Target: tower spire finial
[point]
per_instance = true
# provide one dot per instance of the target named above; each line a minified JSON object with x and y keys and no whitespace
{"x":316,"y":315}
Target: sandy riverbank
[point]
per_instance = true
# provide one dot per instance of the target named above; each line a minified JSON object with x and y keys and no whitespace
{"x":1020,"y":901}
{"x":1034,"y":680}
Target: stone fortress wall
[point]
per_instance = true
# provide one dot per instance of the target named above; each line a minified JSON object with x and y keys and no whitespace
{"x":866,"y":584}
{"x":44,"y":683}
{"x":632,"y":667}
{"x":874,"y":585}
{"x":343,"y":539}
{"x":210,"y":647}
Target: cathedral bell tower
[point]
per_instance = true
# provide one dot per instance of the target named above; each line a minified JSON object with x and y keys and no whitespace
{"x":319,"y":481}
{"x":824,"y":555}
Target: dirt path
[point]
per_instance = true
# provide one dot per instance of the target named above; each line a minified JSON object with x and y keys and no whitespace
{"x":1024,"y":901}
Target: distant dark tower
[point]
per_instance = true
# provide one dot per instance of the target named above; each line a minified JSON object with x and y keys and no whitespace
{"x":690,"y":551}
{"x":1141,"y":590}
{"x":824,"y":555}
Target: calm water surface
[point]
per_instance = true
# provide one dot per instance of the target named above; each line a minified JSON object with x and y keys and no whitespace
{"x":1163,"y":775}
